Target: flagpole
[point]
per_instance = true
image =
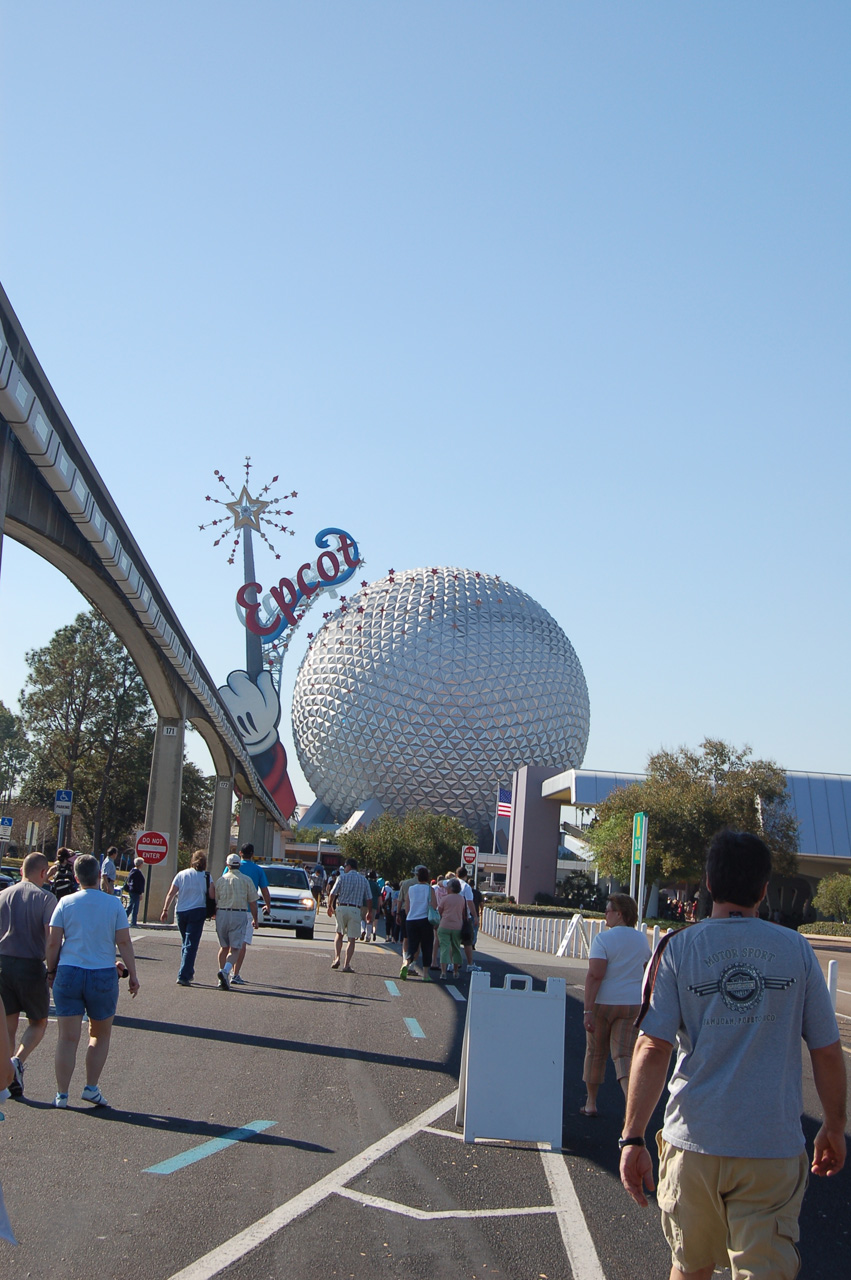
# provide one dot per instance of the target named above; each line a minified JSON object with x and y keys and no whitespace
{"x":495,"y":821}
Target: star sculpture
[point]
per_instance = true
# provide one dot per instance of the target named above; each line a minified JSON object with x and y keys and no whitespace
{"x":247,"y":511}
{"x":247,"y":514}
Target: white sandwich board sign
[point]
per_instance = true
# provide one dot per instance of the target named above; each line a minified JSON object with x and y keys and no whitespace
{"x":512,"y":1061}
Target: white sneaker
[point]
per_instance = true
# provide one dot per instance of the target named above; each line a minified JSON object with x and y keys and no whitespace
{"x":475,"y":968}
{"x":61,"y":1100}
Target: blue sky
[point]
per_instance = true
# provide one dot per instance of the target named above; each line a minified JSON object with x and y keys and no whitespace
{"x":557,"y":291}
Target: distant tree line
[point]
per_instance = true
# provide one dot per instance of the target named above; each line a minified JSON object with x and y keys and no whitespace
{"x":87,"y":724}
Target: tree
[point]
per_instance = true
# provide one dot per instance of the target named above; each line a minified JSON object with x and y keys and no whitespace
{"x":14,"y":749}
{"x":91,"y":724}
{"x":688,"y":797}
{"x":392,"y":846}
{"x":310,"y":835}
{"x":834,"y":897}
{"x":196,"y":804}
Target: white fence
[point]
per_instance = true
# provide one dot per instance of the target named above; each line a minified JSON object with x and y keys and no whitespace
{"x":572,"y":936}
{"x":554,"y":935}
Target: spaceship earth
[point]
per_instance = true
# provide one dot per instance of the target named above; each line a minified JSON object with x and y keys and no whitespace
{"x":429,"y":688}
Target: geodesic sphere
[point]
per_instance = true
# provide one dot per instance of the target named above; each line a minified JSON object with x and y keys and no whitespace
{"x":429,"y":688}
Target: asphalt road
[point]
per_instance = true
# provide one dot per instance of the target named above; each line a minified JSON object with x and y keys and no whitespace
{"x":348,"y":1162}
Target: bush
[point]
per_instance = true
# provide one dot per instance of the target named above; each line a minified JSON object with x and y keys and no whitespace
{"x":533,"y":909}
{"x":833,"y":897}
{"x":827,"y":928}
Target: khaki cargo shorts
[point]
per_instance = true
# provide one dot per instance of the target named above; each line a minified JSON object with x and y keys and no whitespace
{"x":348,"y":921}
{"x":729,"y":1211}
{"x":231,"y":927}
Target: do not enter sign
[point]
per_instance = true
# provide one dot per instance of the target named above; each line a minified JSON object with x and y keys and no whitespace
{"x":152,"y":846}
{"x":469,"y":853}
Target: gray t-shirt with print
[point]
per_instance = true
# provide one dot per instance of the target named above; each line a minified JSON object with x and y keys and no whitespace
{"x":737,"y":995}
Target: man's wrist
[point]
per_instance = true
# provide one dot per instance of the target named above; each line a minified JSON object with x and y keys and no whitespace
{"x":635,"y":1141}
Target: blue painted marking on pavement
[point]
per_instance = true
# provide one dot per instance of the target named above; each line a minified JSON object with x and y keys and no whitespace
{"x":210,"y":1148}
{"x":391,"y":987}
{"x":415,"y":1029}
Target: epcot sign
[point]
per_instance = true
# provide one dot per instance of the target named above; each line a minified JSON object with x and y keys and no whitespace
{"x":282,"y":602}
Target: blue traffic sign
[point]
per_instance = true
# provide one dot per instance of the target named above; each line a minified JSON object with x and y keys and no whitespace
{"x":5,"y":825}
{"x":62,"y":803}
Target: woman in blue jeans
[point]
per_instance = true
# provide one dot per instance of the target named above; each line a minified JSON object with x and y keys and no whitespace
{"x":192,"y":888}
{"x":85,"y":929}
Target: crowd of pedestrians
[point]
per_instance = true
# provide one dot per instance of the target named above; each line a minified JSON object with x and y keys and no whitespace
{"x":435,"y":920}
{"x":732,"y":1167}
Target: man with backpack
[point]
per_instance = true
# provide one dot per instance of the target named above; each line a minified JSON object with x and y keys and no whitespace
{"x":60,"y":877}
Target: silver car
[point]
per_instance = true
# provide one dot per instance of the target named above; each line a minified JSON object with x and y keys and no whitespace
{"x":293,"y":906}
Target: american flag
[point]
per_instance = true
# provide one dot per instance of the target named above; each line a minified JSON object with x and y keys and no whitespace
{"x":503,"y":803}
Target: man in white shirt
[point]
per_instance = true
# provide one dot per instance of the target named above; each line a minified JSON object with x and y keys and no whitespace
{"x":108,"y":871}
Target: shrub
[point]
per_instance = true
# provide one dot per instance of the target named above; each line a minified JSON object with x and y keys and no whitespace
{"x":827,"y":928}
{"x":833,"y":897}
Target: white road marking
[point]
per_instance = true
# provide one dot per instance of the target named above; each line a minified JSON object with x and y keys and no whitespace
{"x":459,"y":1137}
{"x":429,"y":1215}
{"x":259,"y":1232}
{"x":457,"y":995}
{"x":579,"y":1246}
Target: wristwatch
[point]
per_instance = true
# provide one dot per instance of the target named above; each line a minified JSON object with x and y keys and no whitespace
{"x":631,"y":1142}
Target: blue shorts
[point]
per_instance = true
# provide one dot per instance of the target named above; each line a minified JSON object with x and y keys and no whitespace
{"x":92,"y":991}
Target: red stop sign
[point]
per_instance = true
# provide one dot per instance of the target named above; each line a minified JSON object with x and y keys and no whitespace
{"x":469,"y":854}
{"x":152,"y":846}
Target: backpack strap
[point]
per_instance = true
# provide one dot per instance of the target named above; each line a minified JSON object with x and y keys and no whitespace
{"x":651,"y":974}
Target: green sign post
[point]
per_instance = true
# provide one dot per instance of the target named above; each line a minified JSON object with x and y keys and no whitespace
{"x":639,"y":855}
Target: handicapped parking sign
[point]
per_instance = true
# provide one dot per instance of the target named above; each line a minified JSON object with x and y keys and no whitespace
{"x":62,"y":803}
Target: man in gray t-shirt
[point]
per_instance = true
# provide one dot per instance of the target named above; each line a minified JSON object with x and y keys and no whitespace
{"x":736,"y":995}
{"x":25,"y":911}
